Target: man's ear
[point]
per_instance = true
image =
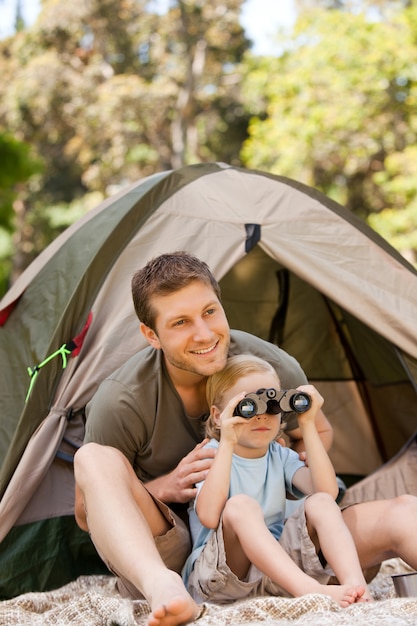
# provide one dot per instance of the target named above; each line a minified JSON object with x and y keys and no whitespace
{"x":150,"y":336}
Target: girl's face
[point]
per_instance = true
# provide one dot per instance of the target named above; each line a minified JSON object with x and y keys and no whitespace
{"x":255,"y":434}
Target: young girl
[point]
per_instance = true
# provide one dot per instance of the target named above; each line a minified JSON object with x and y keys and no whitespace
{"x":241,"y":544}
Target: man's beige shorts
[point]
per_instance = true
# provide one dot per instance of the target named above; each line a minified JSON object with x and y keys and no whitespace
{"x":212,"y":580}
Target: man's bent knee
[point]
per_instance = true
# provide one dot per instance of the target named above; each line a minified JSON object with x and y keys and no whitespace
{"x":95,"y":457}
{"x":93,"y":452}
{"x":90,"y":463}
{"x":401,"y":509}
{"x":406,"y":500}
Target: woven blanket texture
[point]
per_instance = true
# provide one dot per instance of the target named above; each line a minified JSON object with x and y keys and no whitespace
{"x":94,"y":601}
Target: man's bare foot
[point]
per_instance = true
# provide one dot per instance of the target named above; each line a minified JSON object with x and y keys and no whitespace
{"x":171,"y":604}
{"x":345,"y":594}
{"x":177,"y":611}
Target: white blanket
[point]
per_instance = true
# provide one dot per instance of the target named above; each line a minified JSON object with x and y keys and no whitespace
{"x":94,"y":601}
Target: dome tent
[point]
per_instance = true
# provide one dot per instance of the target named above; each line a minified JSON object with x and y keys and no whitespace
{"x":294,"y":267}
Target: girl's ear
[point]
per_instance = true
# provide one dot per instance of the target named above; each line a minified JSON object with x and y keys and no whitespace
{"x":215,"y":412}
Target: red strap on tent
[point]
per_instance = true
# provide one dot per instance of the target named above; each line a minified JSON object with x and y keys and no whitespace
{"x":4,"y":313}
{"x":78,"y":341}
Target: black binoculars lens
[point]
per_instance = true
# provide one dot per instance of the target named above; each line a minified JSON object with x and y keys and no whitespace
{"x":246,"y":408}
{"x":300,"y":402}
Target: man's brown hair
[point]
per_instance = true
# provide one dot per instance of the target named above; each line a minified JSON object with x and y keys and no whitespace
{"x":164,"y":275}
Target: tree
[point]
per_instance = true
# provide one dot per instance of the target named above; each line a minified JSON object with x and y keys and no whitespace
{"x":18,"y":165}
{"x":108,"y":91}
{"x":378,"y":8}
{"x":336,"y":106}
{"x":19,"y":22}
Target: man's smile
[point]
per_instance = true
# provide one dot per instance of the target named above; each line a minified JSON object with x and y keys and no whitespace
{"x":206,"y":350}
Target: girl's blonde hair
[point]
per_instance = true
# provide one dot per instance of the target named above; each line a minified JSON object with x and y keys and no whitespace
{"x":219,"y":383}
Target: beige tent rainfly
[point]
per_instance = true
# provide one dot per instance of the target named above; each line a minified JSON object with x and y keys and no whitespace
{"x":294,"y":267}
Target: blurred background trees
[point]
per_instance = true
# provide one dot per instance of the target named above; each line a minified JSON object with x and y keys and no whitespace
{"x":100,"y":93}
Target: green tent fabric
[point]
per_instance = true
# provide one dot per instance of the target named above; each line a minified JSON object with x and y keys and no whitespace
{"x":295,"y":268}
{"x":61,"y":551}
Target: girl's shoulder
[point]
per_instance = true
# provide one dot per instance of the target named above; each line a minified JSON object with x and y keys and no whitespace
{"x":213,"y":443}
{"x":276,"y":449}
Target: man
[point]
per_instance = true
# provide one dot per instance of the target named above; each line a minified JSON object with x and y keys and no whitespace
{"x":143,"y":453}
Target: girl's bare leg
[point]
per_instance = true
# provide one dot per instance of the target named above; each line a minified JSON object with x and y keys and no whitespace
{"x":330,"y":534}
{"x":247,"y":540}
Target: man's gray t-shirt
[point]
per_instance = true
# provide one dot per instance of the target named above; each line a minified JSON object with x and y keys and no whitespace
{"x":138,"y":410}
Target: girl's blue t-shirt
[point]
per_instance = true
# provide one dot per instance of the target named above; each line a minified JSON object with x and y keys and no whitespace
{"x":266,"y":479}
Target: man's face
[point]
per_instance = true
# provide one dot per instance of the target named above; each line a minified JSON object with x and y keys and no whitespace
{"x":191,"y":329}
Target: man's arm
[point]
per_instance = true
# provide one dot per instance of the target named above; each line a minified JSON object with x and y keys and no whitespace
{"x":324,"y":429}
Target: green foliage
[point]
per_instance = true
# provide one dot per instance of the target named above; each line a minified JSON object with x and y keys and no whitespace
{"x":338,"y":108}
{"x":109,"y":91}
{"x":399,"y":228}
{"x":6,"y":250}
{"x":59,"y":216}
{"x":398,"y":181}
{"x":17,"y":165}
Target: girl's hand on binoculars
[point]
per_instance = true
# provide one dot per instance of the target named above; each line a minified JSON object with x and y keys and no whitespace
{"x":231,"y":425}
{"x":316,"y":400}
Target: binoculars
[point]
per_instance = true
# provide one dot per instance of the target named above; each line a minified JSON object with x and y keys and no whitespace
{"x":273,"y":401}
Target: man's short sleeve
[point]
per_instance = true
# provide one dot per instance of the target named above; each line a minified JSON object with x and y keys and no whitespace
{"x":112,"y":418}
